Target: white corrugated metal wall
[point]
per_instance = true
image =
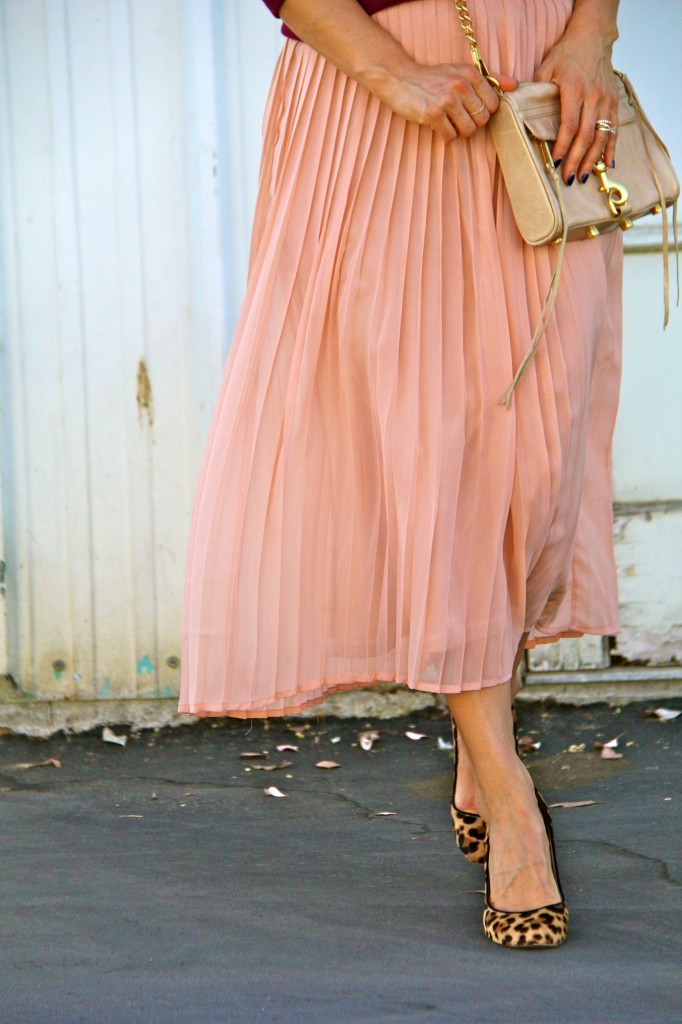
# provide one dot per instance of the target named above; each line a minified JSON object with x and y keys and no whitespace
{"x":129,"y":146}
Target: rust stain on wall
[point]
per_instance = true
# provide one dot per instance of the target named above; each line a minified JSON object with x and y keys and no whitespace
{"x":145,"y":401}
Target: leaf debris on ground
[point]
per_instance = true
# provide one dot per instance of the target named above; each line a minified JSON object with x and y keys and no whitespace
{"x":574,"y":803}
{"x":327,"y":764}
{"x":368,"y":738}
{"x":609,"y":754}
{"x":36,"y":764}
{"x":662,"y":714}
{"x":273,"y":791}
{"x":416,"y":735}
{"x":527,"y":743}
{"x":272,"y":767}
{"x":109,"y":736}
{"x":608,"y":750}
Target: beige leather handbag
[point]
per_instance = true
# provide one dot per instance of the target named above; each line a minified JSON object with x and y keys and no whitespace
{"x":546,"y":210}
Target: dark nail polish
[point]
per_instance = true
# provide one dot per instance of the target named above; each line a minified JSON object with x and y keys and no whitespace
{"x":613,"y":163}
{"x":571,"y":179}
{"x":558,"y":161}
{"x":584,"y":177}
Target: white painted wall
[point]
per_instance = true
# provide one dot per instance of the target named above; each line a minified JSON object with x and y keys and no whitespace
{"x":129,"y":146}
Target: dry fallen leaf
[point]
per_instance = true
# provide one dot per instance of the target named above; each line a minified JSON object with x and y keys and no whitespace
{"x":612,"y":744}
{"x":273,"y":791}
{"x":335,"y":739}
{"x":287,"y":746}
{"x":662,"y":714}
{"x":609,"y":754}
{"x":254,"y":754}
{"x":573,"y":803}
{"x":271,"y":767}
{"x":384,"y":814}
{"x":36,"y":764}
{"x":368,"y":738}
{"x":327,"y":764}
{"x":109,"y":736}
{"x":527,"y":743}
{"x":576,"y":748}
{"x":444,"y":744}
{"x":416,"y":735}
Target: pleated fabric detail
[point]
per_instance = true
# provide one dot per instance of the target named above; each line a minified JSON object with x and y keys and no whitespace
{"x":366,"y":510}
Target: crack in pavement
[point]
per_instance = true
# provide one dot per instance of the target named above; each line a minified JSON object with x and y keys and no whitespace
{"x":370,"y":812}
{"x":664,"y":870}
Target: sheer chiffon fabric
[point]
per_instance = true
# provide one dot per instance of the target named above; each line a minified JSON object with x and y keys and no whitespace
{"x":366,"y":510}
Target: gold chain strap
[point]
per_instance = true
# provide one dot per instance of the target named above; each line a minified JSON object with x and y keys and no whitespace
{"x":468,"y":29}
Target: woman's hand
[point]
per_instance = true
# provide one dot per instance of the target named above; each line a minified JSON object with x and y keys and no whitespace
{"x":453,"y":99}
{"x":580,"y":64}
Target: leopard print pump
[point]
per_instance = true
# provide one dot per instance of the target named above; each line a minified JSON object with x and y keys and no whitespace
{"x":526,"y":929}
{"x":468,"y":826}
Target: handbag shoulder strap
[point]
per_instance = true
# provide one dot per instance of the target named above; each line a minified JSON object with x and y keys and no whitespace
{"x":468,"y":29}
{"x":552,"y":291}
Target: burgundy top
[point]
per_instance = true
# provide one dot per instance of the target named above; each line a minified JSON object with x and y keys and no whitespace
{"x":371,"y":6}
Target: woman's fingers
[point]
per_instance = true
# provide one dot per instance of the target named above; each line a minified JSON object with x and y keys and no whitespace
{"x":455,"y":100}
{"x":571,"y":106}
{"x":473,"y":100}
{"x":597,"y":151}
{"x":610,"y":148}
{"x":507,"y":82}
{"x":485,"y":93}
{"x":583,"y":141}
{"x":582,"y":146}
{"x":604,"y":144}
{"x":442,"y":124}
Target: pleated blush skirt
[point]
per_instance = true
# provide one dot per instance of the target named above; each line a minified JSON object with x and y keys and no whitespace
{"x":366,"y":510}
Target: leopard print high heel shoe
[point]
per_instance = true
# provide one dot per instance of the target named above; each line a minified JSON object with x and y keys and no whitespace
{"x":527,"y":929}
{"x":469,"y":827}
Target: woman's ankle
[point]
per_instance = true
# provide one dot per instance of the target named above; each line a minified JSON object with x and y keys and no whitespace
{"x":466,"y":797}
{"x":512,"y":795}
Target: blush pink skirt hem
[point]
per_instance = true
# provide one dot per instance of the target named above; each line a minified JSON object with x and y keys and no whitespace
{"x":366,"y":510}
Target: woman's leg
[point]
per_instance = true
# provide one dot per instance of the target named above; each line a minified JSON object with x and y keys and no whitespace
{"x":521,"y":875}
{"x":465,"y":794}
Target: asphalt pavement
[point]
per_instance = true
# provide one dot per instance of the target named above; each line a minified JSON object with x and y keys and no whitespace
{"x":158,"y":883}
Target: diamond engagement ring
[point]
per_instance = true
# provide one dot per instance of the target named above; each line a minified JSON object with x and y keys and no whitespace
{"x":602,"y":125}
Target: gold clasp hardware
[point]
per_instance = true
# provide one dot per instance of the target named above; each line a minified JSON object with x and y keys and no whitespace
{"x":546,"y":152}
{"x":616,"y":194}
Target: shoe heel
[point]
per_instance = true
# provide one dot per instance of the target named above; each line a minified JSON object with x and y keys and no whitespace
{"x":469,"y":828}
